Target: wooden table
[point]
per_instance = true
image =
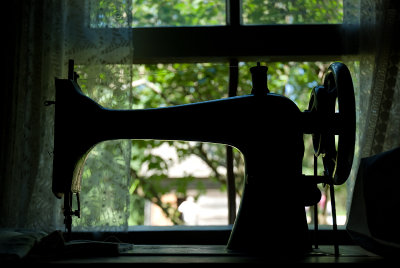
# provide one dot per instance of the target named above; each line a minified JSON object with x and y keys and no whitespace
{"x":184,"y":254}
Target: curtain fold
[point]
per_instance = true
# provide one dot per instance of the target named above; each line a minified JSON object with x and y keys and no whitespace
{"x":47,"y":34}
{"x":27,"y":166}
{"x":380,"y":77}
{"x":378,"y":108}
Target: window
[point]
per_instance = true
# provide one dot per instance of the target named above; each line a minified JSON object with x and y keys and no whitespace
{"x":181,"y":53}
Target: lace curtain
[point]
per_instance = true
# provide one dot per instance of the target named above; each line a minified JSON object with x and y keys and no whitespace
{"x":49,"y":33}
{"x":379,"y":96}
{"x":378,"y":107}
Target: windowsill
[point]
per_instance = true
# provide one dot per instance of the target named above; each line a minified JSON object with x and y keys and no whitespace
{"x":196,"y":235}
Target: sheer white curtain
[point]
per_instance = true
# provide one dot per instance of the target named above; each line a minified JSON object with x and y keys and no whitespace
{"x":49,"y":33}
{"x":380,"y":93}
{"x":26,"y":199}
{"x":378,"y":107}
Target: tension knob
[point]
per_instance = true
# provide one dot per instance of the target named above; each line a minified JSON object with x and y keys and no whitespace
{"x":259,"y":78}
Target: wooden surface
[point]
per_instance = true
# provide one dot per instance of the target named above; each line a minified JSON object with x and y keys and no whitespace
{"x":218,"y":254}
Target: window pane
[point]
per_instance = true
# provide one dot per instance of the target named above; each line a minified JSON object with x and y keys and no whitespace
{"x":121,"y":86}
{"x":156,"y":183}
{"x":292,"y":12}
{"x":294,"y":80}
{"x":151,"y":13}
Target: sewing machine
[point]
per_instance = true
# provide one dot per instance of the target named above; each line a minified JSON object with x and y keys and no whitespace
{"x":270,"y":137}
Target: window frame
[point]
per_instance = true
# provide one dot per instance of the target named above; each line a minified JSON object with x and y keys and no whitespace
{"x":170,"y":44}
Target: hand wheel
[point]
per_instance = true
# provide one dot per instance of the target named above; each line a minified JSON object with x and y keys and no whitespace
{"x":334,"y":107}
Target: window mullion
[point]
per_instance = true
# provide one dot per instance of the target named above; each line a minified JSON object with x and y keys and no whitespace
{"x":233,"y":12}
{"x":233,"y":19}
{"x":230,"y":175}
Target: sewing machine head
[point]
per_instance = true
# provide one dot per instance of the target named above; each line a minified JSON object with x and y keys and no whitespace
{"x":270,"y":137}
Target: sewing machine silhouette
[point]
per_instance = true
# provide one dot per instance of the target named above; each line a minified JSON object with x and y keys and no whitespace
{"x":267,"y":128}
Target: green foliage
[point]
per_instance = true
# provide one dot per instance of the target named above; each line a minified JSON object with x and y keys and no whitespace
{"x":145,"y":13}
{"x":292,"y":12}
{"x":142,"y":13}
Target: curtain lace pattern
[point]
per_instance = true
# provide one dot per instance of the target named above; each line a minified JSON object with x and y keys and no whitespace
{"x":378,"y":114}
{"x":49,"y":34}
